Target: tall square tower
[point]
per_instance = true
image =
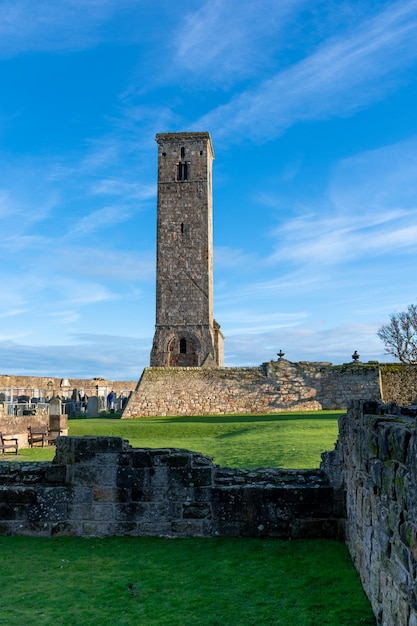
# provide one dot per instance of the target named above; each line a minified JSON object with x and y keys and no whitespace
{"x":186,"y":334}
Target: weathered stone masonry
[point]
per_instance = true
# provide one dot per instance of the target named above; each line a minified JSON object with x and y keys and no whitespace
{"x":271,"y":388}
{"x":102,"y":487}
{"x":375,"y":465}
{"x":186,"y":333}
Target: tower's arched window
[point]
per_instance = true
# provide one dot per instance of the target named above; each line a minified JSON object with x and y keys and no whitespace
{"x":183,"y":346}
{"x":182,"y":172}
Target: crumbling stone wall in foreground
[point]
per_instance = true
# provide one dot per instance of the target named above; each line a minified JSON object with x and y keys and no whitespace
{"x":375,"y":464}
{"x":100,"y":486}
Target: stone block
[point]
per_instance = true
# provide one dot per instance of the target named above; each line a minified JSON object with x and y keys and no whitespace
{"x":177,"y":459}
{"x":187,"y":528}
{"x":42,"y":513}
{"x":141,"y":458}
{"x":196,"y":510}
{"x":130,"y":511}
{"x":9,"y":512}
{"x":103,"y":511}
{"x":105,"y":494}
{"x":80,"y":512}
{"x":97,"y":529}
{"x":18,"y":495}
{"x":65,"y":529}
{"x":155,"y":528}
{"x":80,"y":494}
{"x":325,"y":528}
{"x":55,"y":474}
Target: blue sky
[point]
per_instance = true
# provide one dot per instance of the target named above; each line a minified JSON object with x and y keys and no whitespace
{"x":311,"y":107}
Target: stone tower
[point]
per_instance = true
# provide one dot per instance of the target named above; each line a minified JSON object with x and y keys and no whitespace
{"x":186,"y":334}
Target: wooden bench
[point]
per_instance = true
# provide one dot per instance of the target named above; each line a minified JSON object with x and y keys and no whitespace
{"x":52,"y":436}
{"x":8,"y":443}
{"x":42,"y":435}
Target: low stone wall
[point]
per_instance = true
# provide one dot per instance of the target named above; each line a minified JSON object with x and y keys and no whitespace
{"x":52,"y":385}
{"x":100,"y":486}
{"x":399,"y":383}
{"x":17,"y":425}
{"x":375,"y":464}
{"x":271,"y":388}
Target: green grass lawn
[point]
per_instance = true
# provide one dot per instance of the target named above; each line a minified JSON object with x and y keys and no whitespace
{"x":284,"y":440}
{"x":150,"y":581}
{"x":183,"y":582}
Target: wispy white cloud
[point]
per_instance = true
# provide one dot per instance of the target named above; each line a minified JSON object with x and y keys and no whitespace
{"x":226,"y":257}
{"x":219,"y":42}
{"x":383,"y":178}
{"x":264,"y":290}
{"x":333,"y":344}
{"x":125,"y":189}
{"x":342,"y":75}
{"x":64,"y":317}
{"x":122,"y":266}
{"x":24,"y":201}
{"x":253,"y":322}
{"x":12,"y":312}
{"x":317,"y":240}
{"x":369,"y":210}
{"x":42,"y":25}
{"x":102,"y":218}
{"x":72,"y":292}
{"x":112,"y":357}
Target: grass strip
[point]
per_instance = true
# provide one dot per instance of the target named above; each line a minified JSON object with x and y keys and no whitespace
{"x":284,"y":440}
{"x":184,"y":582}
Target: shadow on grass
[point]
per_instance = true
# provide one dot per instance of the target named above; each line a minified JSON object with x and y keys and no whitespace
{"x":231,"y":419}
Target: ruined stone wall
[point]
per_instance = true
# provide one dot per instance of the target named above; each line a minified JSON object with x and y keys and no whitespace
{"x":375,"y":464}
{"x":22,"y":385}
{"x":399,"y":383}
{"x":99,"y":486}
{"x":273,"y":387}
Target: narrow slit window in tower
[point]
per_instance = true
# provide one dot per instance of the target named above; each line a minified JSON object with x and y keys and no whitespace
{"x":182,"y":173}
{"x":183,"y":346}
{"x":182,"y":153}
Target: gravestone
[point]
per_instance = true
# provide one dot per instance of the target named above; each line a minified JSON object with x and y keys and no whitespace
{"x":58,"y":422}
{"x":92,"y":406}
{"x":55,"y":406}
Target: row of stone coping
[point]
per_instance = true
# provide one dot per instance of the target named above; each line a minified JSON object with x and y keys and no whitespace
{"x":392,"y":409}
{"x":72,"y":450}
{"x":32,"y":473}
{"x":271,"y":477}
{"x":353,"y":365}
{"x":208,"y":369}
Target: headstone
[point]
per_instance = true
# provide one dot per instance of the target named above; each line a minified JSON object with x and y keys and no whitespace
{"x":55,"y":406}
{"x":92,"y":406}
{"x":58,"y":422}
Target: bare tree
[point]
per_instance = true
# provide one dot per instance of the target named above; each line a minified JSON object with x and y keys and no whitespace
{"x":400,"y":335}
